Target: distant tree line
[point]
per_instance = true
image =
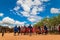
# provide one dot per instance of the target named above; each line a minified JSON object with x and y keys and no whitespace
{"x":52,"y":23}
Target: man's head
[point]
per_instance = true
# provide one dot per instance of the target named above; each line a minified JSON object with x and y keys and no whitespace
{"x":29,"y":24}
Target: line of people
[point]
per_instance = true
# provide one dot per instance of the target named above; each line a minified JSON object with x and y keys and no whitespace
{"x":22,"y":30}
{"x":30,"y":30}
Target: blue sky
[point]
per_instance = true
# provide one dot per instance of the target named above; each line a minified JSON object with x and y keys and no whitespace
{"x":27,"y":11}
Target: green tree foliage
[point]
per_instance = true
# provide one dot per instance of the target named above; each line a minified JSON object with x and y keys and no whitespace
{"x":53,"y":21}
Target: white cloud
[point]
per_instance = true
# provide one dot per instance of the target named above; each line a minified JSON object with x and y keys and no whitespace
{"x":26,"y":14}
{"x":19,"y":23}
{"x":16,"y":8}
{"x":36,"y":5}
{"x":37,"y":2}
{"x":45,"y":0}
{"x":34,"y":18}
{"x":55,"y":10}
{"x":26,"y":7}
{"x":34,"y":11}
{"x":1,"y":14}
{"x":8,"y":20}
{"x":41,"y":9}
{"x":28,"y":4}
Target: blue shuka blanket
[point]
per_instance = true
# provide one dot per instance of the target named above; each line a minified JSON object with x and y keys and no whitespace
{"x":15,"y":29}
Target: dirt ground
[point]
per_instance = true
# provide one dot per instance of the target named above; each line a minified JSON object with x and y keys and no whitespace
{"x":10,"y":36}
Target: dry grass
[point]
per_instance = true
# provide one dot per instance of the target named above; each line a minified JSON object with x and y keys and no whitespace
{"x":10,"y":36}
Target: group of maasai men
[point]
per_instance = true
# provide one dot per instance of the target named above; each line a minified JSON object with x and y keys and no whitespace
{"x":30,"y":30}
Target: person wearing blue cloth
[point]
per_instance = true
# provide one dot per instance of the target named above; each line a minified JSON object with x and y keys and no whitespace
{"x":46,"y":29}
{"x":30,"y":28}
{"x":15,"y":30}
{"x":19,"y":30}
